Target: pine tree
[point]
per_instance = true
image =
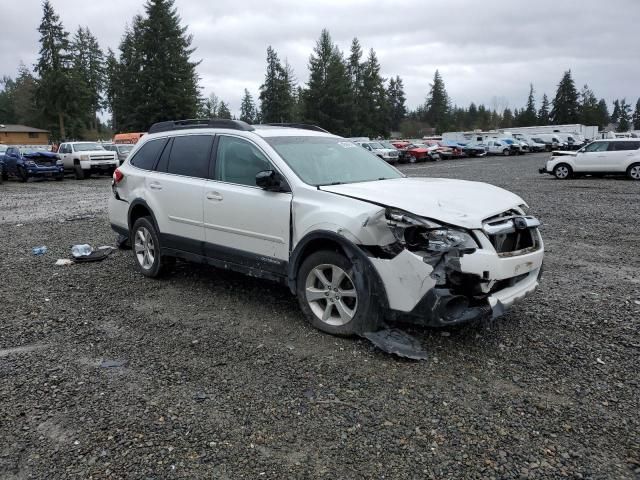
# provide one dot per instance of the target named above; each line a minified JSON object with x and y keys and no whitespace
{"x":636,"y":116}
{"x":168,"y":82}
{"x":615,"y":115}
{"x":248,"y":108}
{"x":55,"y":95}
{"x":111,"y":89}
{"x":543,"y":113}
{"x":588,"y":107}
{"x":624,"y":124}
{"x":327,"y":98}
{"x":437,"y":105}
{"x":602,"y":117}
{"x":529,"y":116}
{"x":223,"y":111}
{"x":375,"y":114}
{"x":472,"y":117}
{"x":89,"y":72}
{"x":276,"y":93}
{"x":357,"y":102}
{"x":397,"y":100}
{"x":507,"y":118}
{"x":565,"y":104}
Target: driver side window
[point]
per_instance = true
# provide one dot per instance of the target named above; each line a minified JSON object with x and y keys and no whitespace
{"x":238,"y":161}
{"x":597,"y":147}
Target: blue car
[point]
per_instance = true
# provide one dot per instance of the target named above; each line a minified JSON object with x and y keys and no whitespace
{"x":28,"y":162}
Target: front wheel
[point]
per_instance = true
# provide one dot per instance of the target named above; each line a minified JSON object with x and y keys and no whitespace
{"x":633,"y":172}
{"x":79,"y":172}
{"x":22,"y":175}
{"x":562,"y":171}
{"x":506,"y":152}
{"x":146,"y":248}
{"x":336,"y":295}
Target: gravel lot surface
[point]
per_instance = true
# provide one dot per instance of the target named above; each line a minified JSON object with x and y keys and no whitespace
{"x":208,"y":374}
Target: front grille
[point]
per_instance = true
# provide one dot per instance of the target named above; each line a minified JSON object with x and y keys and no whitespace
{"x":514,"y":241}
{"x":512,"y":233}
{"x":45,"y":164}
{"x":101,"y":157}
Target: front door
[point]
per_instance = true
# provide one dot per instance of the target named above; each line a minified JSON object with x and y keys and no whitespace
{"x":592,"y":158}
{"x":243,"y":223}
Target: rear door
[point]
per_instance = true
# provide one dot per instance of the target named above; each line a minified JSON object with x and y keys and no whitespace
{"x":177,"y":186}
{"x":621,"y":154}
{"x":243,"y":223}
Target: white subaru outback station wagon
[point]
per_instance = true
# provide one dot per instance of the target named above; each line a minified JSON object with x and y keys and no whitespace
{"x":353,"y":238}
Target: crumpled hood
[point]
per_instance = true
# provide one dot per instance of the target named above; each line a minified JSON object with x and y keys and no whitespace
{"x":456,"y":202}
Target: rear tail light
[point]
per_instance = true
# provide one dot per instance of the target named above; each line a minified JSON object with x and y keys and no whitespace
{"x":117,"y":176}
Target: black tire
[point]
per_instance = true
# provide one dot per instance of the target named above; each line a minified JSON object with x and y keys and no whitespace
{"x":79,"y":172}
{"x":366,"y":312}
{"x":5,"y":175}
{"x":506,"y":152}
{"x":562,"y":171}
{"x":142,"y":227}
{"x":633,"y":172}
{"x":59,"y":178}
{"x":22,"y":175}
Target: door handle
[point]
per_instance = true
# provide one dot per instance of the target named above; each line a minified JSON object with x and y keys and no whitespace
{"x":155,"y":186}
{"x":215,"y":196}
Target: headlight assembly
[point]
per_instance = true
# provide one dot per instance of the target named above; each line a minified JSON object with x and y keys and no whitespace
{"x":84,"y":157}
{"x":420,"y":234}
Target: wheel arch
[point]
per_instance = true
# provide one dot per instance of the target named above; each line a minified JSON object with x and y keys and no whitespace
{"x":138,"y":209}
{"x":327,"y":240}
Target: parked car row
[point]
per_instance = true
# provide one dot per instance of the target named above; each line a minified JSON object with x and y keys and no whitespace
{"x":80,"y":158}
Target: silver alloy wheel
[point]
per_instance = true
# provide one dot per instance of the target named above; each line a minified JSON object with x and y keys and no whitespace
{"x":331,"y":295}
{"x":562,"y":171}
{"x":144,"y":248}
{"x":634,"y":172}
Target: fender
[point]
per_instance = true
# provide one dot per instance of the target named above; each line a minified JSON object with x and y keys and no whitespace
{"x":350,"y":249}
{"x":132,"y":205}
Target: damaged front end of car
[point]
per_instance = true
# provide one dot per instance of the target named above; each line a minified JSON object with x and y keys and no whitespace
{"x":442,"y":275}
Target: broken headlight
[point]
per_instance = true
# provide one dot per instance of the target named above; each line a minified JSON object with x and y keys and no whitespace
{"x":420,"y":234}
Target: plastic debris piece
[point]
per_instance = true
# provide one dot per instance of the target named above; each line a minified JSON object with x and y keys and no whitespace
{"x":81,"y":250}
{"x":64,"y":262}
{"x":122,"y":241}
{"x":397,"y":342}
{"x":113,"y":363}
{"x":95,"y":256}
{"x":39,"y":250}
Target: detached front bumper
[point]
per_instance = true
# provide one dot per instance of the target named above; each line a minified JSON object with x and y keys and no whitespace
{"x":458,"y":289}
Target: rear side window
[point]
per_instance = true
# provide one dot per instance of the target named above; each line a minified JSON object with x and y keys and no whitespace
{"x":190,"y":156}
{"x":148,"y":154}
{"x":618,"y":146}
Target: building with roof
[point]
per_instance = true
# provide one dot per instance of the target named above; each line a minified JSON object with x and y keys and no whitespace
{"x":23,"y":135}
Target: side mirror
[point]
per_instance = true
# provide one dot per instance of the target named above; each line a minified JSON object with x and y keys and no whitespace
{"x":272,"y":181}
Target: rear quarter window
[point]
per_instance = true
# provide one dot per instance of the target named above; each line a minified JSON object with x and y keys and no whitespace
{"x":148,"y":155}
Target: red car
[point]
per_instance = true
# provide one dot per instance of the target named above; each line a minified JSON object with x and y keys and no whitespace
{"x":418,"y":152}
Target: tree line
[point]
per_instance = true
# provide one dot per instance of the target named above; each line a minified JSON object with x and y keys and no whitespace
{"x":152,"y":78}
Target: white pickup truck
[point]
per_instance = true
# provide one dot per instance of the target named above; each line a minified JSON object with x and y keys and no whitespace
{"x":85,"y":158}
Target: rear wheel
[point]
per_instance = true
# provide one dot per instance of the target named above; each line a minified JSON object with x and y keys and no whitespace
{"x":336,"y":296}
{"x":633,"y":172}
{"x":146,"y":248}
{"x":562,"y":171}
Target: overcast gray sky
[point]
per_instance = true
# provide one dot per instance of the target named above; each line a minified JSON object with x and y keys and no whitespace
{"x":487,"y":51}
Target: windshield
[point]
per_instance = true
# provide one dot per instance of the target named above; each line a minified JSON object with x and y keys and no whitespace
{"x":87,"y":147}
{"x":3,"y":148}
{"x":331,"y":161}
{"x":376,"y":145}
{"x":28,"y":150}
{"x":388,"y":145}
{"x":124,"y":148}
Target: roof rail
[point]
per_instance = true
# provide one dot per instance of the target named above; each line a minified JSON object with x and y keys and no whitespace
{"x":303,"y":126}
{"x":200,"y":123}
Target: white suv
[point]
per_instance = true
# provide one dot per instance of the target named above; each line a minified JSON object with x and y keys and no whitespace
{"x":612,"y":156}
{"x":351,"y":236}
